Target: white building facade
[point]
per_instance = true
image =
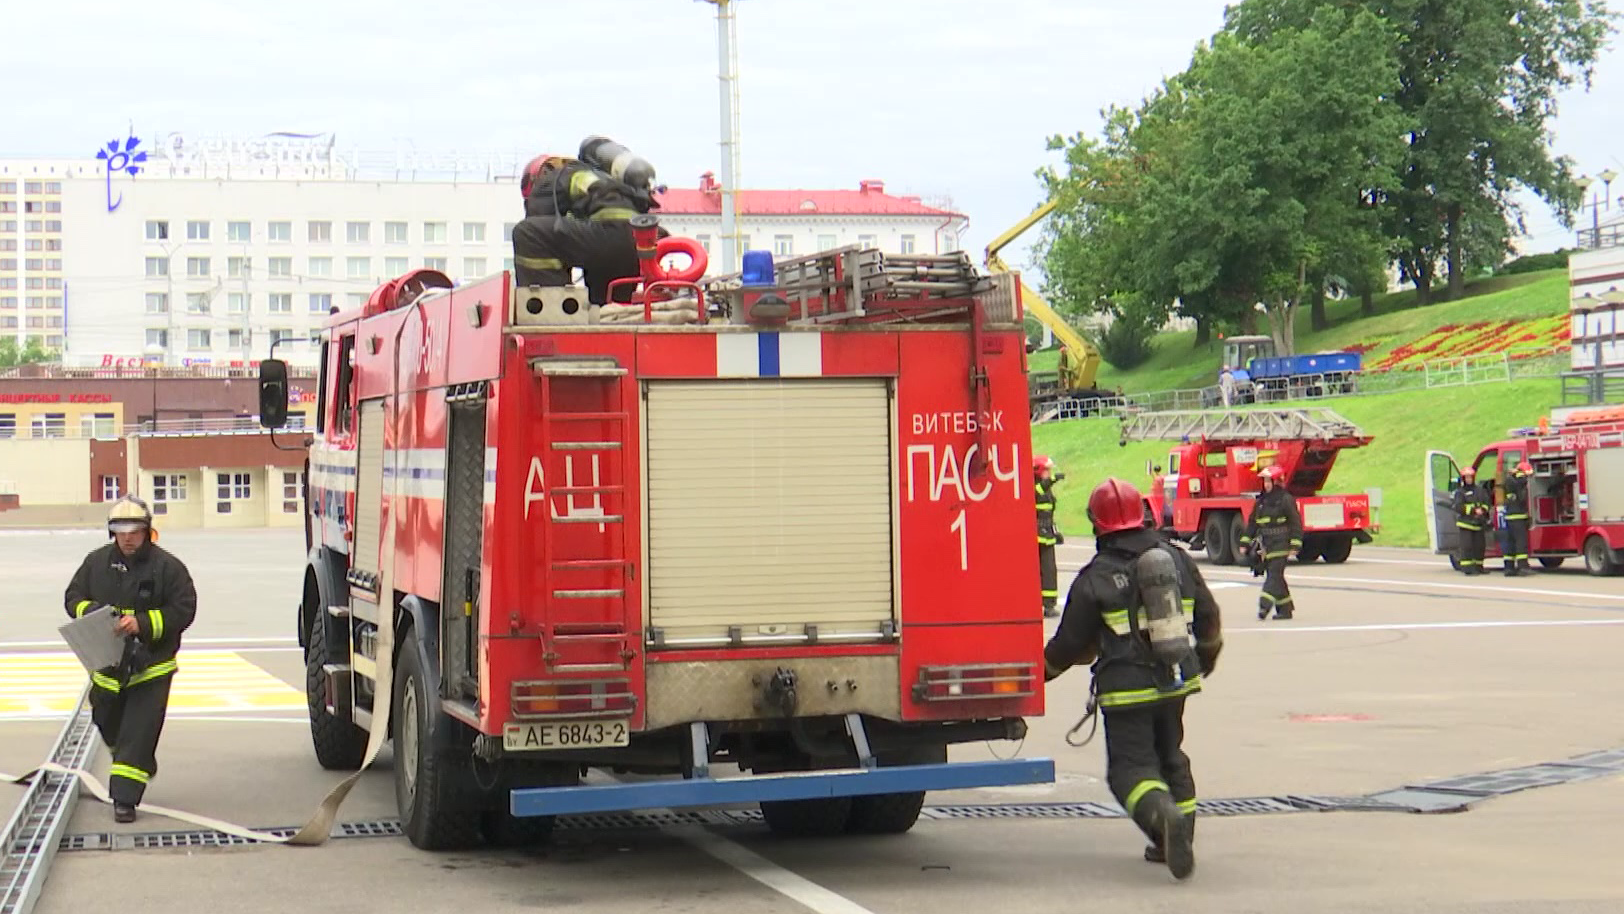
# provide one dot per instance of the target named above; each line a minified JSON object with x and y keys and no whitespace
{"x":209,"y":253}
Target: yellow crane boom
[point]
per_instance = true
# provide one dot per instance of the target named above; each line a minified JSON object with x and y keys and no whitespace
{"x":1078,"y":370}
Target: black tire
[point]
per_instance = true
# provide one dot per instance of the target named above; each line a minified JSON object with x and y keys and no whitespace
{"x":1237,"y":529}
{"x":1550,"y":563}
{"x":1336,"y":550}
{"x":503,"y":829}
{"x":893,"y":813}
{"x":1599,"y":557}
{"x":435,"y":795}
{"x":820,"y":818}
{"x":1310,"y":551}
{"x":1454,"y":562}
{"x":340,"y":744}
{"x":1215,"y":533}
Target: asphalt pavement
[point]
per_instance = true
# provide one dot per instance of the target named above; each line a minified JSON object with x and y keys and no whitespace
{"x":1395,"y":671}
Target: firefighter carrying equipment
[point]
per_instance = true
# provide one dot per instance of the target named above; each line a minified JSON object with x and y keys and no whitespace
{"x":1473,"y":515}
{"x":1516,"y":520}
{"x":1156,"y":573}
{"x":129,"y":699}
{"x":1048,"y":533}
{"x":1273,"y":533}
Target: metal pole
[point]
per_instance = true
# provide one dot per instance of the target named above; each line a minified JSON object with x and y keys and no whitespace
{"x":728,"y":92}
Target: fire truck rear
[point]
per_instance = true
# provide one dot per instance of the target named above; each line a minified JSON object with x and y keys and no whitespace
{"x":781,"y":523}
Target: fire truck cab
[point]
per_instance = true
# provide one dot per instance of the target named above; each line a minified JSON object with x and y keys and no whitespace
{"x":781,"y":521}
{"x":1575,"y":492}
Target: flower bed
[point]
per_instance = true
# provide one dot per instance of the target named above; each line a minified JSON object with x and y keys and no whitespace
{"x":1453,"y":341}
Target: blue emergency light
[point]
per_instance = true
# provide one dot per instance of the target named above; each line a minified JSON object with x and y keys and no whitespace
{"x":758,"y":269}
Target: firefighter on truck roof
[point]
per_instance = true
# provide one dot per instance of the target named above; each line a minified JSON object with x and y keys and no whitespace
{"x":1472,"y":506}
{"x":1273,"y":533}
{"x":153,"y":594}
{"x":577,"y":214}
{"x":1044,"y":477}
{"x":1143,"y":669}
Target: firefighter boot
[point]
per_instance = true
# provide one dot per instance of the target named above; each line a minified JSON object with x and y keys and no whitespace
{"x":1159,"y":815}
{"x":123,"y":812}
{"x":1153,"y":853}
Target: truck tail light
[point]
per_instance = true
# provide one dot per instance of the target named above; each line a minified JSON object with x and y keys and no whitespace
{"x":976,"y":681}
{"x":572,"y":698}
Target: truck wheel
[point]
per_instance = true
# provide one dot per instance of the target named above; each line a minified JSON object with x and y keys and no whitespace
{"x":818,"y":818}
{"x":1336,"y":550}
{"x":1216,"y":537}
{"x":1550,"y":563}
{"x":340,"y":744}
{"x":1310,"y":551}
{"x":1599,"y":557}
{"x":1237,"y":529}
{"x":501,"y":827}
{"x":893,"y":813}
{"x":433,"y":792}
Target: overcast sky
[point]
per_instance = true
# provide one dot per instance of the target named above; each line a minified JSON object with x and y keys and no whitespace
{"x":935,"y":97}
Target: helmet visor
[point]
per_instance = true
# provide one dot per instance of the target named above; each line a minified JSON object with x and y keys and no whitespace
{"x":125,"y":526}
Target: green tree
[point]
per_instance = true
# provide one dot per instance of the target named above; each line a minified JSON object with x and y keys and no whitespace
{"x":1478,"y":81}
{"x":11,"y":355}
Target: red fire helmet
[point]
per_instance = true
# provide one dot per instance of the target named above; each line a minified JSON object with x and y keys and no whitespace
{"x":1115,"y":505}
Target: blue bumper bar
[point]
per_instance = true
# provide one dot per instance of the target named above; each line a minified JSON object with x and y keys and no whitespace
{"x":563,"y":801}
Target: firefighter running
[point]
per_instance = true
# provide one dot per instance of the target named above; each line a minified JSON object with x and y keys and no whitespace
{"x":1044,"y":477}
{"x":1273,"y":533}
{"x":1121,"y":612}
{"x":576,"y":215}
{"x":1516,"y":504}
{"x":153,"y":593}
{"x":1472,"y":505}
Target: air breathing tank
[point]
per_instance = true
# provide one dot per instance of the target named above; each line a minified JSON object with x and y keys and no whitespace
{"x":1157,"y":576}
{"x":621,"y":163}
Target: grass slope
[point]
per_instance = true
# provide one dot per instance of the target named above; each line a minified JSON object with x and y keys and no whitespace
{"x":1177,"y":364}
{"x":1404,"y":427}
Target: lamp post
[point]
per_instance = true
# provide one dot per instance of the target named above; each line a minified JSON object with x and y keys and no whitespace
{"x":728,"y":95}
{"x":154,"y":351}
{"x":1597,"y":202}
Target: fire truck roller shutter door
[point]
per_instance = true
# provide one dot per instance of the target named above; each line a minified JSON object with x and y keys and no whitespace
{"x":782,"y":487}
{"x":369,"y":488}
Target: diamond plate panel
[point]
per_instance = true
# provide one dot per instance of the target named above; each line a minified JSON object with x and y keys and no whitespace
{"x":464,"y":541}
{"x":1512,"y":780}
{"x":1026,"y":811}
{"x":681,"y":691}
{"x":1244,"y":806}
{"x":1425,"y":801}
{"x":1611,"y":759}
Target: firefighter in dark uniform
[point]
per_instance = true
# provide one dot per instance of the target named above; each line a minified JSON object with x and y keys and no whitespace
{"x":1273,"y":534}
{"x":1472,"y":515}
{"x":1142,"y":700}
{"x":153,"y":593}
{"x":1049,"y":535}
{"x":576,"y":215}
{"x":1516,"y":505}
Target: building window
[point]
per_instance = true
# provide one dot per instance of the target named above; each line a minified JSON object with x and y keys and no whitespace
{"x":239,"y":339}
{"x":157,"y":337}
{"x":33,"y":187}
{"x":507,"y":230}
{"x":358,"y":267}
{"x":826,"y":242}
{"x":230,"y":487}
{"x":473,"y":232}
{"x":109,"y":488}
{"x":157,"y":266}
{"x":53,"y":225}
{"x":8,"y":187}
{"x":507,"y":264}
{"x":394,"y":232}
{"x":321,"y":266}
{"x":157,"y":230}
{"x":321,"y":302}
{"x":97,"y":425}
{"x":358,"y":232}
{"x":239,"y":231}
{"x":197,"y":231}
{"x":8,"y":425}
{"x":434,"y":233}
{"x":237,"y":302}
{"x":473,"y":267}
{"x":240,"y":267}
{"x":784,"y":245}
{"x":290,"y":492}
{"x":198,"y":340}
{"x":280,"y":231}
{"x":49,"y":425}
{"x":53,"y":244}
{"x":868,"y":241}
{"x":907,"y":244}
{"x":197,"y":266}
{"x":321,"y":232}
{"x":281,"y":303}
{"x":356,"y":299}
{"x":435,"y":263}
{"x":197,"y":303}
{"x":157,"y":302}
{"x":280,"y":266}
{"x":395,"y":266}
{"x":950,"y":241}
{"x":166,"y":488}
{"x":8,"y":263}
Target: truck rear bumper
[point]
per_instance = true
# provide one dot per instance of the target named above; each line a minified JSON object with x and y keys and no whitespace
{"x":810,"y":785}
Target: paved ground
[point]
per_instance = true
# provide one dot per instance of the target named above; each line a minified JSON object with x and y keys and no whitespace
{"x":1395,"y":671}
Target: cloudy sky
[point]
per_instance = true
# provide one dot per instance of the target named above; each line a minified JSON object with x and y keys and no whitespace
{"x":942,"y":98}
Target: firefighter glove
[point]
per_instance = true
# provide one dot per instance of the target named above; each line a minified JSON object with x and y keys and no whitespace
{"x":1207,"y":653}
{"x":1059,"y":538}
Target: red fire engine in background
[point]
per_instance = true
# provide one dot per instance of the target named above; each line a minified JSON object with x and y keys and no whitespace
{"x":1575,"y":492}
{"x":1211,"y":483}
{"x":783,"y":522}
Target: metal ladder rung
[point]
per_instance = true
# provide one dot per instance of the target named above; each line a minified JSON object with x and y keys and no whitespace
{"x":586,"y":445}
{"x":589,"y":519}
{"x":591,"y":636}
{"x":589,"y":594}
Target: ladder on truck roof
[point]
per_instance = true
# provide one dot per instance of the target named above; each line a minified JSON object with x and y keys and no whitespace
{"x":1306,"y":424}
{"x":859,"y":284}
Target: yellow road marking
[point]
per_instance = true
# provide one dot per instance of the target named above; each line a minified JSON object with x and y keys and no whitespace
{"x":34,"y":685}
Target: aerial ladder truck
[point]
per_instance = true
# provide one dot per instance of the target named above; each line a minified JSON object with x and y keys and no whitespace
{"x":1205,"y":494}
{"x":1079,"y":360}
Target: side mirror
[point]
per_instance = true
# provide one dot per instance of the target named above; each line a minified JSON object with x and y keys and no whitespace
{"x":273,"y":393}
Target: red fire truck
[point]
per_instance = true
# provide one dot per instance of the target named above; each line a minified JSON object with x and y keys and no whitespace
{"x":782,"y":522}
{"x":1575,"y":493}
{"x":1206,"y":494}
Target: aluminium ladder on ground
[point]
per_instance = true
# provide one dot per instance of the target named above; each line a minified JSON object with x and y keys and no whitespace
{"x":1315,"y":423}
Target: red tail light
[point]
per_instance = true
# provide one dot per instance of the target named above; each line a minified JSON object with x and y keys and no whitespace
{"x":572,"y":698}
{"x":975,"y":682}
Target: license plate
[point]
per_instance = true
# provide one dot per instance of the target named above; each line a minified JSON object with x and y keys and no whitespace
{"x":581,"y":734}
